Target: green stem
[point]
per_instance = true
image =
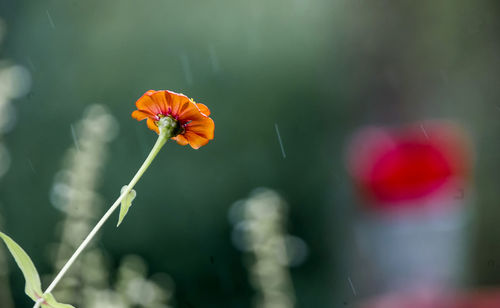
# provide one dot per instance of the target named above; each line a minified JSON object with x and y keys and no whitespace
{"x":164,"y":135}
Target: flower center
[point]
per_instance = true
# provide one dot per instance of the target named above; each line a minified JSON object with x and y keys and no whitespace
{"x":169,"y":125}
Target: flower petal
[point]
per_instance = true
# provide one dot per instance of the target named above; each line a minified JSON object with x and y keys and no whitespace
{"x":180,"y":139}
{"x":175,"y":101}
{"x":190,"y":112}
{"x":204,"y":109}
{"x":162,"y":100}
{"x":147,"y":104}
{"x":152,"y":125}
{"x":141,"y":115}
{"x":203,"y":127}
{"x":195,"y":141}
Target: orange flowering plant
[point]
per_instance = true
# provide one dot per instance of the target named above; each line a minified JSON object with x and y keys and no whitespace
{"x":192,"y":124}
{"x":172,"y":116}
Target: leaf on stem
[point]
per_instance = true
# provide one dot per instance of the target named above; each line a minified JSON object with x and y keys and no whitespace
{"x":126,"y":203}
{"x":33,"y":286}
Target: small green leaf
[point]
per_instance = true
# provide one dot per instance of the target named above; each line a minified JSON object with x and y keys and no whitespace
{"x":33,"y":286}
{"x":51,"y":302}
{"x":126,"y":203}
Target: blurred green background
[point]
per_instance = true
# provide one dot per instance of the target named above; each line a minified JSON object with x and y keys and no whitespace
{"x":316,"y":68}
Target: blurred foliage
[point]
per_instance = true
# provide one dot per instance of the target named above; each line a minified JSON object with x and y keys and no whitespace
{"x":259,"y":230}
{"x":316,"y":68}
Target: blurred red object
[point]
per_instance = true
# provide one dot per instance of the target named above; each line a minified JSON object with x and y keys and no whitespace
{"x":396,"y":168}
{"x":487,"y":298}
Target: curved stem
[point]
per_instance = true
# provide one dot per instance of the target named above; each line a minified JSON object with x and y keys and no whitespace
{"x":162,"y":138}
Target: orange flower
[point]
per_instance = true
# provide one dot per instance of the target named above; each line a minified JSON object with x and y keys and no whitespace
{"x":193,"y":124}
